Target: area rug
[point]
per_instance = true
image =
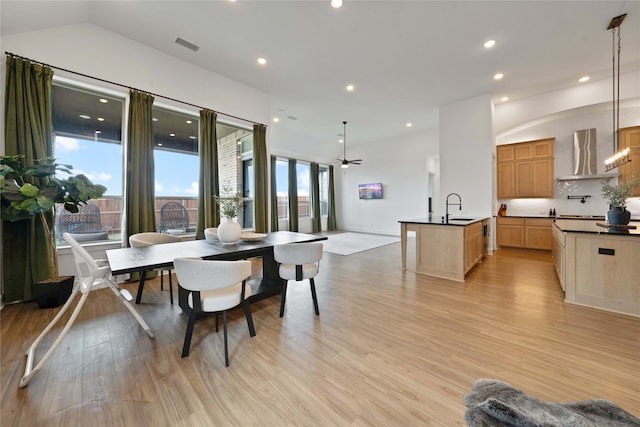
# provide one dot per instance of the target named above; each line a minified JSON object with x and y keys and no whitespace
{"x":351,"y":243}
{"x":496,"y":403}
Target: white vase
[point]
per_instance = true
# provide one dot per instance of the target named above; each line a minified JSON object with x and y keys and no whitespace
{"x":229,"y":231}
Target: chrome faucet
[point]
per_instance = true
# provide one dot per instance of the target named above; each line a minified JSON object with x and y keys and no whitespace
{"x":453,"y":204}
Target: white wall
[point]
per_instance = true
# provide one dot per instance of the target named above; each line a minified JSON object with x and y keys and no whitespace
{"x":401,"y":166}
{"x":92,"y":50}
{"x":466,"y":154}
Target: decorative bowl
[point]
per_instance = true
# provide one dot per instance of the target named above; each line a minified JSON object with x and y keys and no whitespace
{"x":211,"y":234}
{"x":252,"y":237}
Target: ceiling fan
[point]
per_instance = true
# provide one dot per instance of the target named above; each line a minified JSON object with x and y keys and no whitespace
{"x":344,"y":163}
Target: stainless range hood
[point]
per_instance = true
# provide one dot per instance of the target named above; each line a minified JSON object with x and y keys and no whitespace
{"x":585,"y":157}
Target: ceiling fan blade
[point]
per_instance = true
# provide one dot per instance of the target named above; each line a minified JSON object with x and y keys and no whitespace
{"x":356,"y":160}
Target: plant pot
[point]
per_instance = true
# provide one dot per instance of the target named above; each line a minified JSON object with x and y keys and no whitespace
{"x":229,"y":232}
{"x":52,"y":292}
{"x":618,"y":216}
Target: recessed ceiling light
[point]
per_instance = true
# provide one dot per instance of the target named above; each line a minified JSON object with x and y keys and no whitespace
{"x":489,"y":43}
{"x":172,"y":135}
{"x":341,"y":140}
{"x":409,"y":124}
{"x":104,"y":101}
{"x":192,"y":137}
{"x":498,"y":76}
{"x":262,"y":61}
{"x":276,"y":120}
{"x":584,"y":79}
{"x":155,"y":119}
{"x":160,"y":144}
{"x":336,"y":3}
{"x":101,"y":119}
{"x":189,"y":122}
{"x":504,"y":99}
{"x":350,"y":88}
{"x":98,"y":131}
{"x":84,"y":116}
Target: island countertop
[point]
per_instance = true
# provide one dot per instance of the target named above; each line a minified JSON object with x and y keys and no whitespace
{"x":589,"y":226}
{"x":454,"y":220}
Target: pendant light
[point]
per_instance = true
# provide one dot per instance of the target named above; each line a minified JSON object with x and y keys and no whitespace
{"x":618,"y":158}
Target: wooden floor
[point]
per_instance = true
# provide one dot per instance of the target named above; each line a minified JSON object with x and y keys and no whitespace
{"x":390,"y":348}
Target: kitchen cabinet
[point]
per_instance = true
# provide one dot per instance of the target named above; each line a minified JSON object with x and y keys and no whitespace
{"x":526,"y":233}
{"x":473,"y":239}
{"x":446,"y":250}
{"x":630,"y":138}
{"x":559,"y":254}
{"x":510,"y":232}
{"x":525,"y":169}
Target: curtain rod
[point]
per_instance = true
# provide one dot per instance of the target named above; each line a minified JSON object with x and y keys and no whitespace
{"x":131,"y":88}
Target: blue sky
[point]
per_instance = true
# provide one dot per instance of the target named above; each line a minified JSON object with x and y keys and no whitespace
{"x":102,"y":163}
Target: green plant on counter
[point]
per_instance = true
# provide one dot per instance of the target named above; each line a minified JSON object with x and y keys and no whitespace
{"x":617,"y":194}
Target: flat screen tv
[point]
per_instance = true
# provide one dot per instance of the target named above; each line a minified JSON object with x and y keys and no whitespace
{"x":370,"y":191}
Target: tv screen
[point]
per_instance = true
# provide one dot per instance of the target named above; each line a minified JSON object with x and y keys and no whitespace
{"x":370,"y":191}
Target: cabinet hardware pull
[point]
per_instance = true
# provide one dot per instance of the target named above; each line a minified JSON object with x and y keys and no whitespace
{"x":606,"y":251}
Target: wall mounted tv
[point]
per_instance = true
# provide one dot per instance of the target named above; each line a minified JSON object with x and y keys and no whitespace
{"x":370,"y":191}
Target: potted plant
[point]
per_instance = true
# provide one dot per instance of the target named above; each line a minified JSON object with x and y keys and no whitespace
{"x":617,"y":196}
{"x":230,"y":204}
{"x":30,"y":191}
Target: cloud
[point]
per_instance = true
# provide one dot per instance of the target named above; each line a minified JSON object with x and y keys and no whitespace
{"x":65,"y":144}
{"x":159,"y":187}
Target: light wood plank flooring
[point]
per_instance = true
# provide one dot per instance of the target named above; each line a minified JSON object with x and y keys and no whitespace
{"x":390,"y":348}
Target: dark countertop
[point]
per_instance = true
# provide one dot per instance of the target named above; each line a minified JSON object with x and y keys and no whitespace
{"x":527,"y":216}
{"x":584,"y":226}
{"x":437,"y":220}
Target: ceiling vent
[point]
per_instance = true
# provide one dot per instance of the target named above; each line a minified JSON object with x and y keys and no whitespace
{"x":184,"y":43}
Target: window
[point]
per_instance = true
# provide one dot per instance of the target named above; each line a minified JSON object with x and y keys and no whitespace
{"x":282,"y":188}
{"x":235,"y":166}
{"x":87,"y":129}
{"x":175,"y":139}
{"x":303,"y":178}
{"x":324,"y":190}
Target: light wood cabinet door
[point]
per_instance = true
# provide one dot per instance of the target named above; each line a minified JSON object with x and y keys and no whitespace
{"x":536,"y":237}
{"x":505,"y":153}
{"x":506,"y":180}
{"x":510,"y":232}
{"x":524,"y":179}
{"x":542,"y":179}
{"x":543,"y":148}
{"x":630,"y":138}
{"x":472,"y":245}
{"x":523,"y":151}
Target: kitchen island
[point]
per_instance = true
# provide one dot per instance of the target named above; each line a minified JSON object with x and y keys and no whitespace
{"x":597,"y":266}
{"x":445,"y":249}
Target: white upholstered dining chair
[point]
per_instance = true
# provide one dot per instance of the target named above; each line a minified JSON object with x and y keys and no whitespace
{"x":214,"y":287}
{"x":141,"y":240}
{"x":298,"y":262}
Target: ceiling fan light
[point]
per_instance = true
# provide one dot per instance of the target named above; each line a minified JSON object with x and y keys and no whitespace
{"x":344,"y":165}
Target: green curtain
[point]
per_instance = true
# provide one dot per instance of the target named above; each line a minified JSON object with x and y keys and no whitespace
{"x":28,"y":131}
{"x":139,"y":207}
{"x":261,"y":178}
{"x":208,"y":210}
{"x":315,"y":198}
{"x":331,"y":218}
{"x":293,"y":196}
{"x":274,"y":195}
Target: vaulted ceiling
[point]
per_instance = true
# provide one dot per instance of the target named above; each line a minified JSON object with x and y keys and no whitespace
{"x":405,"y":58}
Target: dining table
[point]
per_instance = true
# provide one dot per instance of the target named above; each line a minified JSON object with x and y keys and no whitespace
{"x":140,"y":260}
